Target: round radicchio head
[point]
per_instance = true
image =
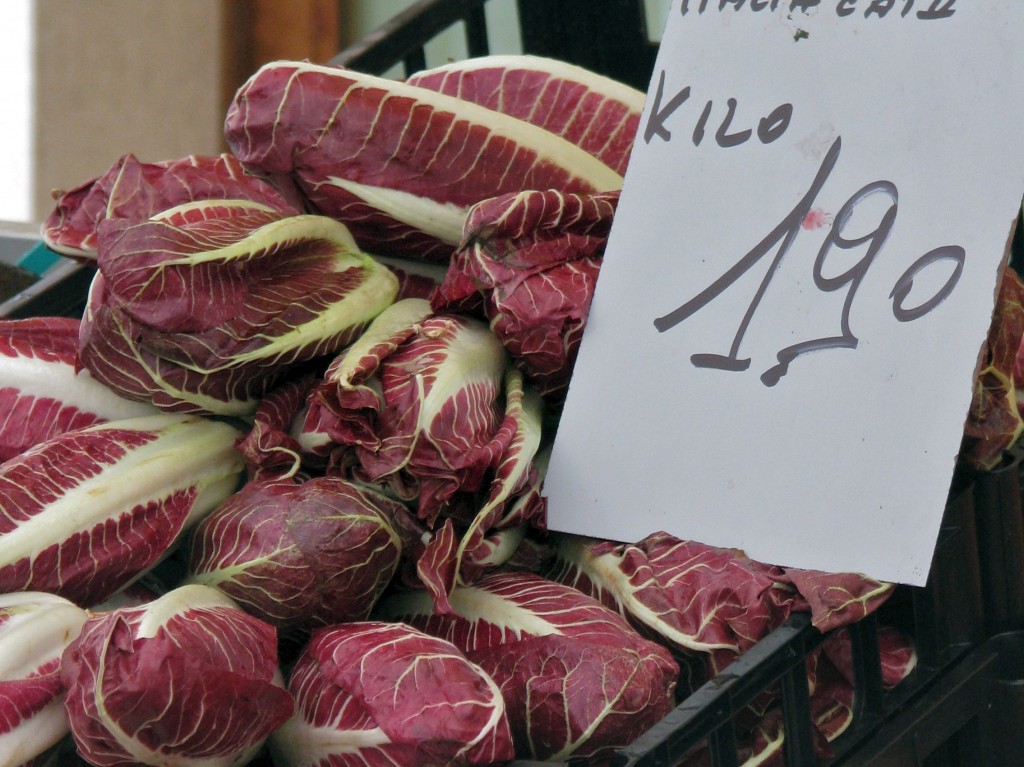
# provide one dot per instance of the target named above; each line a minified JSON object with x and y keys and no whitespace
{"x":385,"y":693}
{"x":189,"y":678}
{"x":300,"y":554}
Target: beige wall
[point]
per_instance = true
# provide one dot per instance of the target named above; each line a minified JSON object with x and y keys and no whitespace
{"x":122,"y":76}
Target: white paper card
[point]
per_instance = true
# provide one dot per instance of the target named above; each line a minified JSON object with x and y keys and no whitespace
{"x":781,"y":349}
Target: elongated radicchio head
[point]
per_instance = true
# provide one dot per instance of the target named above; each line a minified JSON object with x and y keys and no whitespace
{"x":400,"y":165}
{"x":385,"y":693}
{"x":186,"y":679}
{"x":90,"y":510}
{"x":427,"y":406}
{"x":577,"y":680}
{"x":693,"y":597}
{"x":35,"y":627}
{"x":134,"y":191}
{"x":594,"y":112}
{"x":300,"y":554}
{"x":205,"y":306}
{"x":459,"y":551}
{"x":42,"y":394}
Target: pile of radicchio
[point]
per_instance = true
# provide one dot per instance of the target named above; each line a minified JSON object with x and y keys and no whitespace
{"x":276,"y":498}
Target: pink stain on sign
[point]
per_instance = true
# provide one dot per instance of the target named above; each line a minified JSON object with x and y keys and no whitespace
{"x":816,"y":218}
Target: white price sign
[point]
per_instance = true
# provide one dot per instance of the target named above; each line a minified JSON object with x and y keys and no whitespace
{"x":801,"y":275}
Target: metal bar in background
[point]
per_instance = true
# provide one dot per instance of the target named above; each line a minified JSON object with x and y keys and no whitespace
{"x":476,"y":31}
{"x":401,"y":39}
{"x":415,"y":61}
{"x":605,"y":36}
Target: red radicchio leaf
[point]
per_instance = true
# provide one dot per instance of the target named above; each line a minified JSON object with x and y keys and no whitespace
{"x":414,"y":284}
{"x":452,"y":558}
{"x":398,"y":164}
{"x":124,"y":492}
{"x":692,"y":597}
{"x":42,"y":394}
{"x":994,"y":421}
{"x":134,"y":191}
{"x":35,"y":628}
{"x":838,"y":599}
{"x":572,"y":699}
{"x":436,"y":566}
{"x":530,"y":262}
{"x":594,"y":112}
{"x":418,"y":401}
{"x":268,"y":446}
{"x":206,"y":306}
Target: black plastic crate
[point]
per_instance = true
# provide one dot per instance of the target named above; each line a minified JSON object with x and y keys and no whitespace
{"x":949,"y":723}
{"x":1000,"y":524}
{"x":946,"y":617}
{"x":58,"y":293}
{"x":778,"y":659}
{"x":932,"y":709}
{"x":1007,"y":699}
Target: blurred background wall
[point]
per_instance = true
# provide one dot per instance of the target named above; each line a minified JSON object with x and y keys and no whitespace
{"x":152,"y":77}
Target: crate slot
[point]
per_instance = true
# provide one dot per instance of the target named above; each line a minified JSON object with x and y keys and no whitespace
{"x":709,"y":711}
{"x":1007,"y":698}
{"x":1000,"y":525}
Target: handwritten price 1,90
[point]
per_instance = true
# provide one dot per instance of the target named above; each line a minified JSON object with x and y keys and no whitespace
{"x":781,"y":239}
